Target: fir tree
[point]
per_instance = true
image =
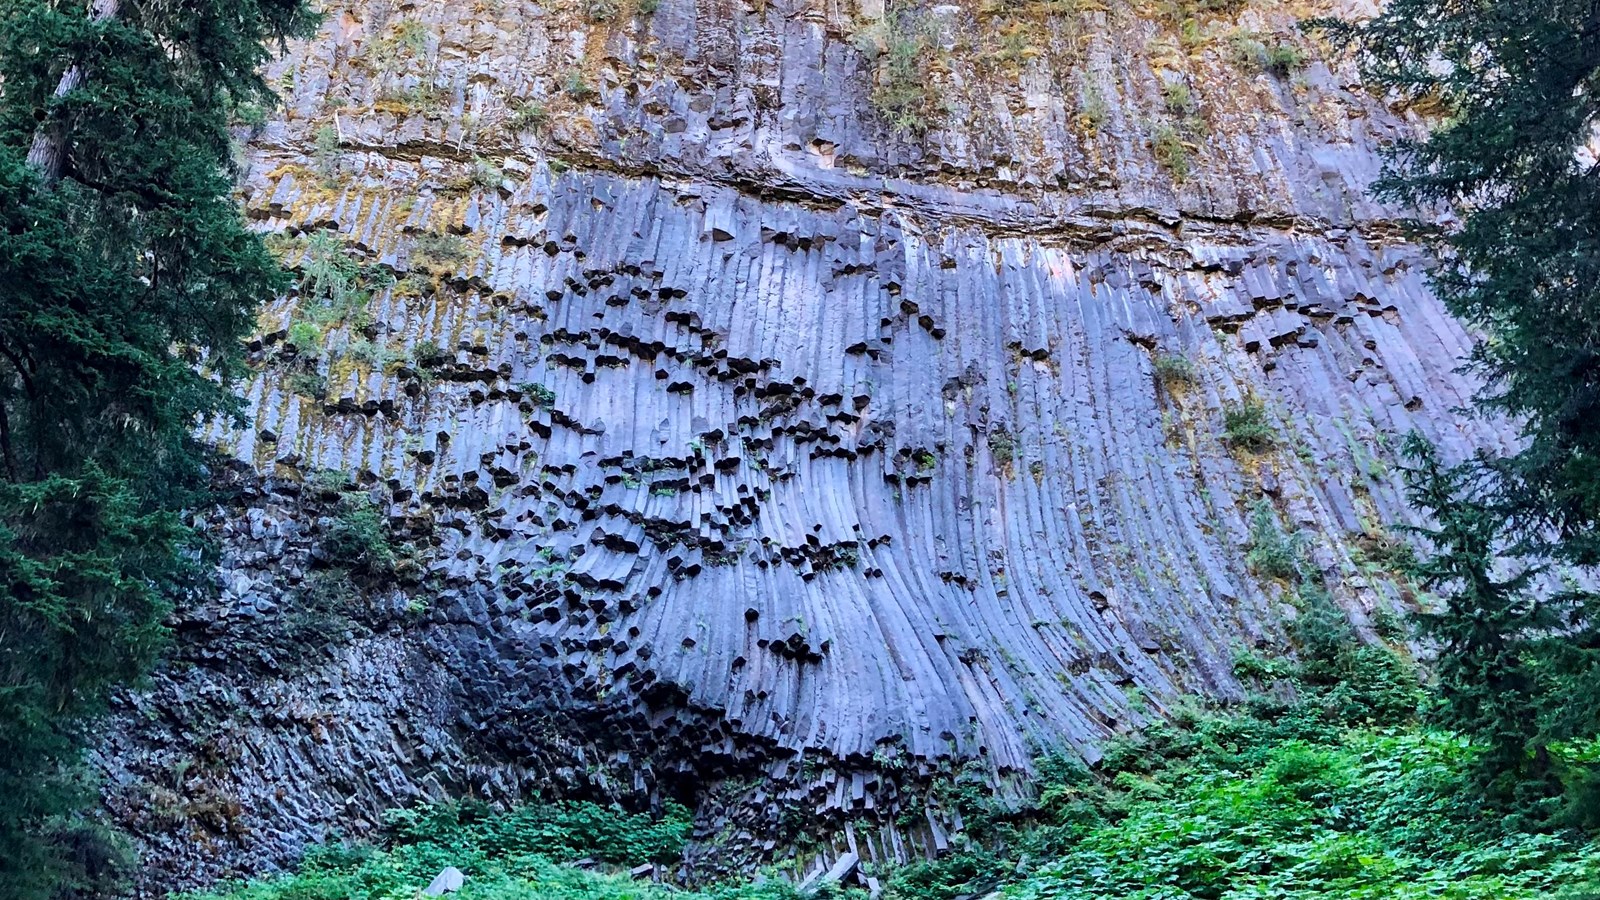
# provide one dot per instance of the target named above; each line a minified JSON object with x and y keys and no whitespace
{"x":1511,"y":174}
{"x":127,"y":279}
{"x":1488,"y":628}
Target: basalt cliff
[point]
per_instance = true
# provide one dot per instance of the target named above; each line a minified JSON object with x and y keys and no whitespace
{"x":784,"y":408}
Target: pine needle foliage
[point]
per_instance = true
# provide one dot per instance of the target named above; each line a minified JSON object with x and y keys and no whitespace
{"x":127,"y":279}
{"x":1509,"y":179}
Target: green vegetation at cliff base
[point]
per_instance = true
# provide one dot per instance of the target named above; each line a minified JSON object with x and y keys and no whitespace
{"x":1324,"y":785}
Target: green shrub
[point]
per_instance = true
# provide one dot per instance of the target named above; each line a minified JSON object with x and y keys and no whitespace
{"x":1096,"y":111}
{"x":326,"y":152}
{"x":515,"y":855}
{"x":378,"y":356}
{"x":486,"y":174}
{"x":1175,"y":370}
{"x":1003,"y":446}
{"x":576,"y":86}
{"x":1272,"y":553}
{"x":907,"y":50}
{"x":439,"y":252}
{"x":405,"y":41}
{"x":331,"y":281}
{"x":308,"y":384}
{"x":306,"y":337}
{"x":1245,"y":425}
{"x":1170,"y":150}
{"x":358,"y":537}
{"x":1284,"y":59}
{"x":562,"y":831}
{"x":529,"y":115}
{"x":1177,"y":98}
{"x":538,"y":393}
{"x":1253,"y":53}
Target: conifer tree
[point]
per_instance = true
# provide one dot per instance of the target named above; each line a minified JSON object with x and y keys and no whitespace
{"x":127,"y":279}
{"x":1510,"y":178}
{"x":1490,"y":628}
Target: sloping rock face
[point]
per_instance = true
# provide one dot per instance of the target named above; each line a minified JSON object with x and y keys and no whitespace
{"x":745,"y":449}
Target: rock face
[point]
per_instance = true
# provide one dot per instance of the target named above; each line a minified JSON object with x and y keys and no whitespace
{"x":747,"y":450}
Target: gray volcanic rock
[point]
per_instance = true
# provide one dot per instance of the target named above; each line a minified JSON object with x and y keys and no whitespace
{"x":753,"y":455}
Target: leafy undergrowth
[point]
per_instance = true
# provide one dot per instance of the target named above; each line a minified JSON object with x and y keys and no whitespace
{"x":1366,"y":814}
{"x":1323,"y":787}
{"x":521,"y":855}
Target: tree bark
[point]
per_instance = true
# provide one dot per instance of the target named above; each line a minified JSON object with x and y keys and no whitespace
{"x":50,"y":141}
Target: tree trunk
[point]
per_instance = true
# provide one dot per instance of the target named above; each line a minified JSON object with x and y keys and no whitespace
{"x":49,"y":142}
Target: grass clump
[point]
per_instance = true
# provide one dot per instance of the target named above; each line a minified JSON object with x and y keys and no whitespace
{"x":1245,"y":425}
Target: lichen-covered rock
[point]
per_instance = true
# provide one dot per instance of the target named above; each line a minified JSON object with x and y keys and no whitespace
{"x":749,"y":452}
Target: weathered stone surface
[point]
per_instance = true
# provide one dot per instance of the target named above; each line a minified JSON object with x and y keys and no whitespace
{"x":760,"y":458}
{"x":446,"y":882}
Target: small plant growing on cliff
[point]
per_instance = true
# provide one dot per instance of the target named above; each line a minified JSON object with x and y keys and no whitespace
{"x":1245,"y":425}
{"x":1170,"y":151}
{"x":1174,"y":370}
{"x":541,"y":396}
{"x":529,"y":115}
{"x":1253,"y":53}
{"x":906,"y":45}
{"x":358,"y":538}
{"x":326,"y":153}
{"x":427,"y":355}
{"x":1272,"y":553}
{"x":1003,"y":446}
{"x":1178,"y":99}
{"x":576,"y":86}
{"x":407,"y":40}
{"x":380,"y":357}
{"x":438,"y":252}
{"x":308,"y":384}
{"x":424,"y":99}
{"x":486,"y":174}
{"x":330,"y":280}
{"x":306,"y":337}
{"x":1096,"y":111}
